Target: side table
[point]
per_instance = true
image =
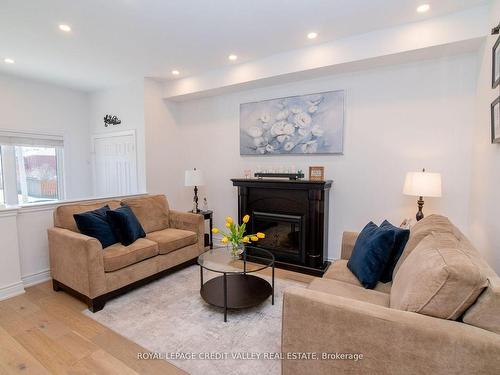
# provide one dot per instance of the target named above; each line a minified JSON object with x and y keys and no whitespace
{"x":208,"y":215}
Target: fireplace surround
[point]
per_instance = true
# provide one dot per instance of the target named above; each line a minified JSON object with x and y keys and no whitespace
{"x":294,"y":216}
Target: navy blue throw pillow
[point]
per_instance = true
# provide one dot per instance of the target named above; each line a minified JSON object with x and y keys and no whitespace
{"x":401,"y":238}
{"x":125,"y":225}
{"x":95,"y":224}
{"x":371,"y":253}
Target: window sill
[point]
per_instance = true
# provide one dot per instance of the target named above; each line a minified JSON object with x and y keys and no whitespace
{"x":44,"y":206}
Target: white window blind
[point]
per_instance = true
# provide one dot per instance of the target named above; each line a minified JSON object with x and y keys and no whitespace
{"x":30,"y":139}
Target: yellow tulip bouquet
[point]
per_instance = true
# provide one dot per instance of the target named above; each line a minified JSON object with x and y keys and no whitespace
{"x":236,"y":237}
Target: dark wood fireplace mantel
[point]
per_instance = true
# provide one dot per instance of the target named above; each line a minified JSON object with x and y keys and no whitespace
{"x":294,"y":216}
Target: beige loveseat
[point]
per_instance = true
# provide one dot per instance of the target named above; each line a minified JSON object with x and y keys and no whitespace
{"x":80,"y":265}
{"x":391,"y":327}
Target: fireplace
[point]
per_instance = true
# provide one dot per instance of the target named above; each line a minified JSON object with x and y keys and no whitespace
{"x":294,"y":216}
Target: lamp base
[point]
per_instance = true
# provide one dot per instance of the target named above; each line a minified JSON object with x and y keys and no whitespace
{"x":420,"y":214}
{"x":195,"y":201}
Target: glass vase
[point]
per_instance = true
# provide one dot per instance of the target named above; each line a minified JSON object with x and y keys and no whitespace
{"x":237,"y":250}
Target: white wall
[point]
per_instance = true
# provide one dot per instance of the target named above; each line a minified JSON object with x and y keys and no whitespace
{"x":36,"y":106}
{"x":485,"y":207}
{"x":126,"y":102}
{"x":398,"y":119}
{"x":164,"y":155}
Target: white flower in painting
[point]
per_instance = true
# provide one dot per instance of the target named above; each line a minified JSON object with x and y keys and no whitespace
{"x":282,"y":138}
{"x":289,"y":146}
{"x":282,"y":115}
{"x":269,"y":148}
{"x":302,"y":119}
{"x":288,"y":129}
{"x":254,"y":132}
{"x":265,"y":117}
{"x":317,"y":131}
{"x":261,"y":150}
{"x":276,"y":128}
{"x":259,"y":141}
{"x":295,"y":110}
{"x":312,"y":109}
{"x":309,"y":147}
{"x":282,"y":128}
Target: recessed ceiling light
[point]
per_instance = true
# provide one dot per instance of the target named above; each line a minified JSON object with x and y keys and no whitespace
{"x":8,"y":61}
{"x":423,"y":8}
{"x":175,"y":72}
{"x":65,"y":28}
{"x":232,"y":57}
{"x":312,"y":35}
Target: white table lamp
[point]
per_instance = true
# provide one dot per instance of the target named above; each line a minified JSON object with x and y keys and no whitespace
{"x":422,"y":184}
{"x":194,"y":177}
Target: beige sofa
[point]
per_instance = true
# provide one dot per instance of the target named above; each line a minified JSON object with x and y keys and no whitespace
{"x":80,"y":266}
{"x":387,"y":326}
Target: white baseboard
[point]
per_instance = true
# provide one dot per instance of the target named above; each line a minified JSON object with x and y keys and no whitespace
{"x":36,"y":278}
{"x":11,"y":290}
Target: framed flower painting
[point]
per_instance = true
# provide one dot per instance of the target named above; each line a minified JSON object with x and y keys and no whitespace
{"x":306,"y":124}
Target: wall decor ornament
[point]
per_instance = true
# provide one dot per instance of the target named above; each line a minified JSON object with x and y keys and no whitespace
{"x":111,"y":120}
{"x":305,"y":124}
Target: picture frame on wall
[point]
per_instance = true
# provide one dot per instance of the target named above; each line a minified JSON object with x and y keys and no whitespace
{"x":293,"y":125}
{"x":316,"y":173}
{"x":495,"y":121}
{"x":495,"y":75}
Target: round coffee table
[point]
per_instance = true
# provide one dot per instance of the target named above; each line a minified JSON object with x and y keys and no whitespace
{"x":238,"y":287}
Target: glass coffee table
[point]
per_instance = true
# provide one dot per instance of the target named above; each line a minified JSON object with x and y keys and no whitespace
{"x":238,"y":286}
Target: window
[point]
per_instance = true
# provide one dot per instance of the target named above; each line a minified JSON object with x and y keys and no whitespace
{"x":32,"y":167}
{"x":36,"y":171}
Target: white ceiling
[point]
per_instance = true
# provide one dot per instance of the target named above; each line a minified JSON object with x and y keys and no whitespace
{"x":115,"y":41}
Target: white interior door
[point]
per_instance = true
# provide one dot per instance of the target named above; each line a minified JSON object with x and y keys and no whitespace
{"x":115,"y":164}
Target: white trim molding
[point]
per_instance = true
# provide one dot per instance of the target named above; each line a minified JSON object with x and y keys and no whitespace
{"x":36,"y":278}
{"x":11,"y":290}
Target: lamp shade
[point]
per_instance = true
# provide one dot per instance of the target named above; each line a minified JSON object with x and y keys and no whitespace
{"x":422,"y":184}
{"x":193,"y":177}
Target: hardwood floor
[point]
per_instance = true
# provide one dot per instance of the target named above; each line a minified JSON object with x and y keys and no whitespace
{"x":44,"y":332}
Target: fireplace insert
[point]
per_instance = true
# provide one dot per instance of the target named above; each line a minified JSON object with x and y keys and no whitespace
{"x":284,"y":235}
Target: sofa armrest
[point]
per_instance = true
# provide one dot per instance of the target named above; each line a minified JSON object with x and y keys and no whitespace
{"x":391,"y":341}
{"x":76,"y":261}
{"x":189,"y":221}
{"x":348,"y":241}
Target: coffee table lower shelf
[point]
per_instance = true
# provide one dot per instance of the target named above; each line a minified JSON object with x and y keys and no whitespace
{"x":236,"y":291}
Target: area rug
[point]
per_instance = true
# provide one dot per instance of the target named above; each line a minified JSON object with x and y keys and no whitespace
{"x":170,"y":318}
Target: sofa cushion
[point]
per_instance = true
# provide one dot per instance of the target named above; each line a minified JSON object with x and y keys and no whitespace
{"x":485,"y":313}
{"x":63,"y":215}
{"x":172,"y":239}
{"x":371,"y":254}
{"x":118,"y":256}
{"x":152,"y":211}
{"x":424,"y":227}
{"x":437,"y":279}
{"x":400,"y":240}
{"x":341,"y":289}
{"x":125,"y":225}
{"x":338,"y":271}
{"x":95,"y":224}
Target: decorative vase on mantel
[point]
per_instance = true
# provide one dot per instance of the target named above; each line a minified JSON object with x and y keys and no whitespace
{"x":235,"y":237}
